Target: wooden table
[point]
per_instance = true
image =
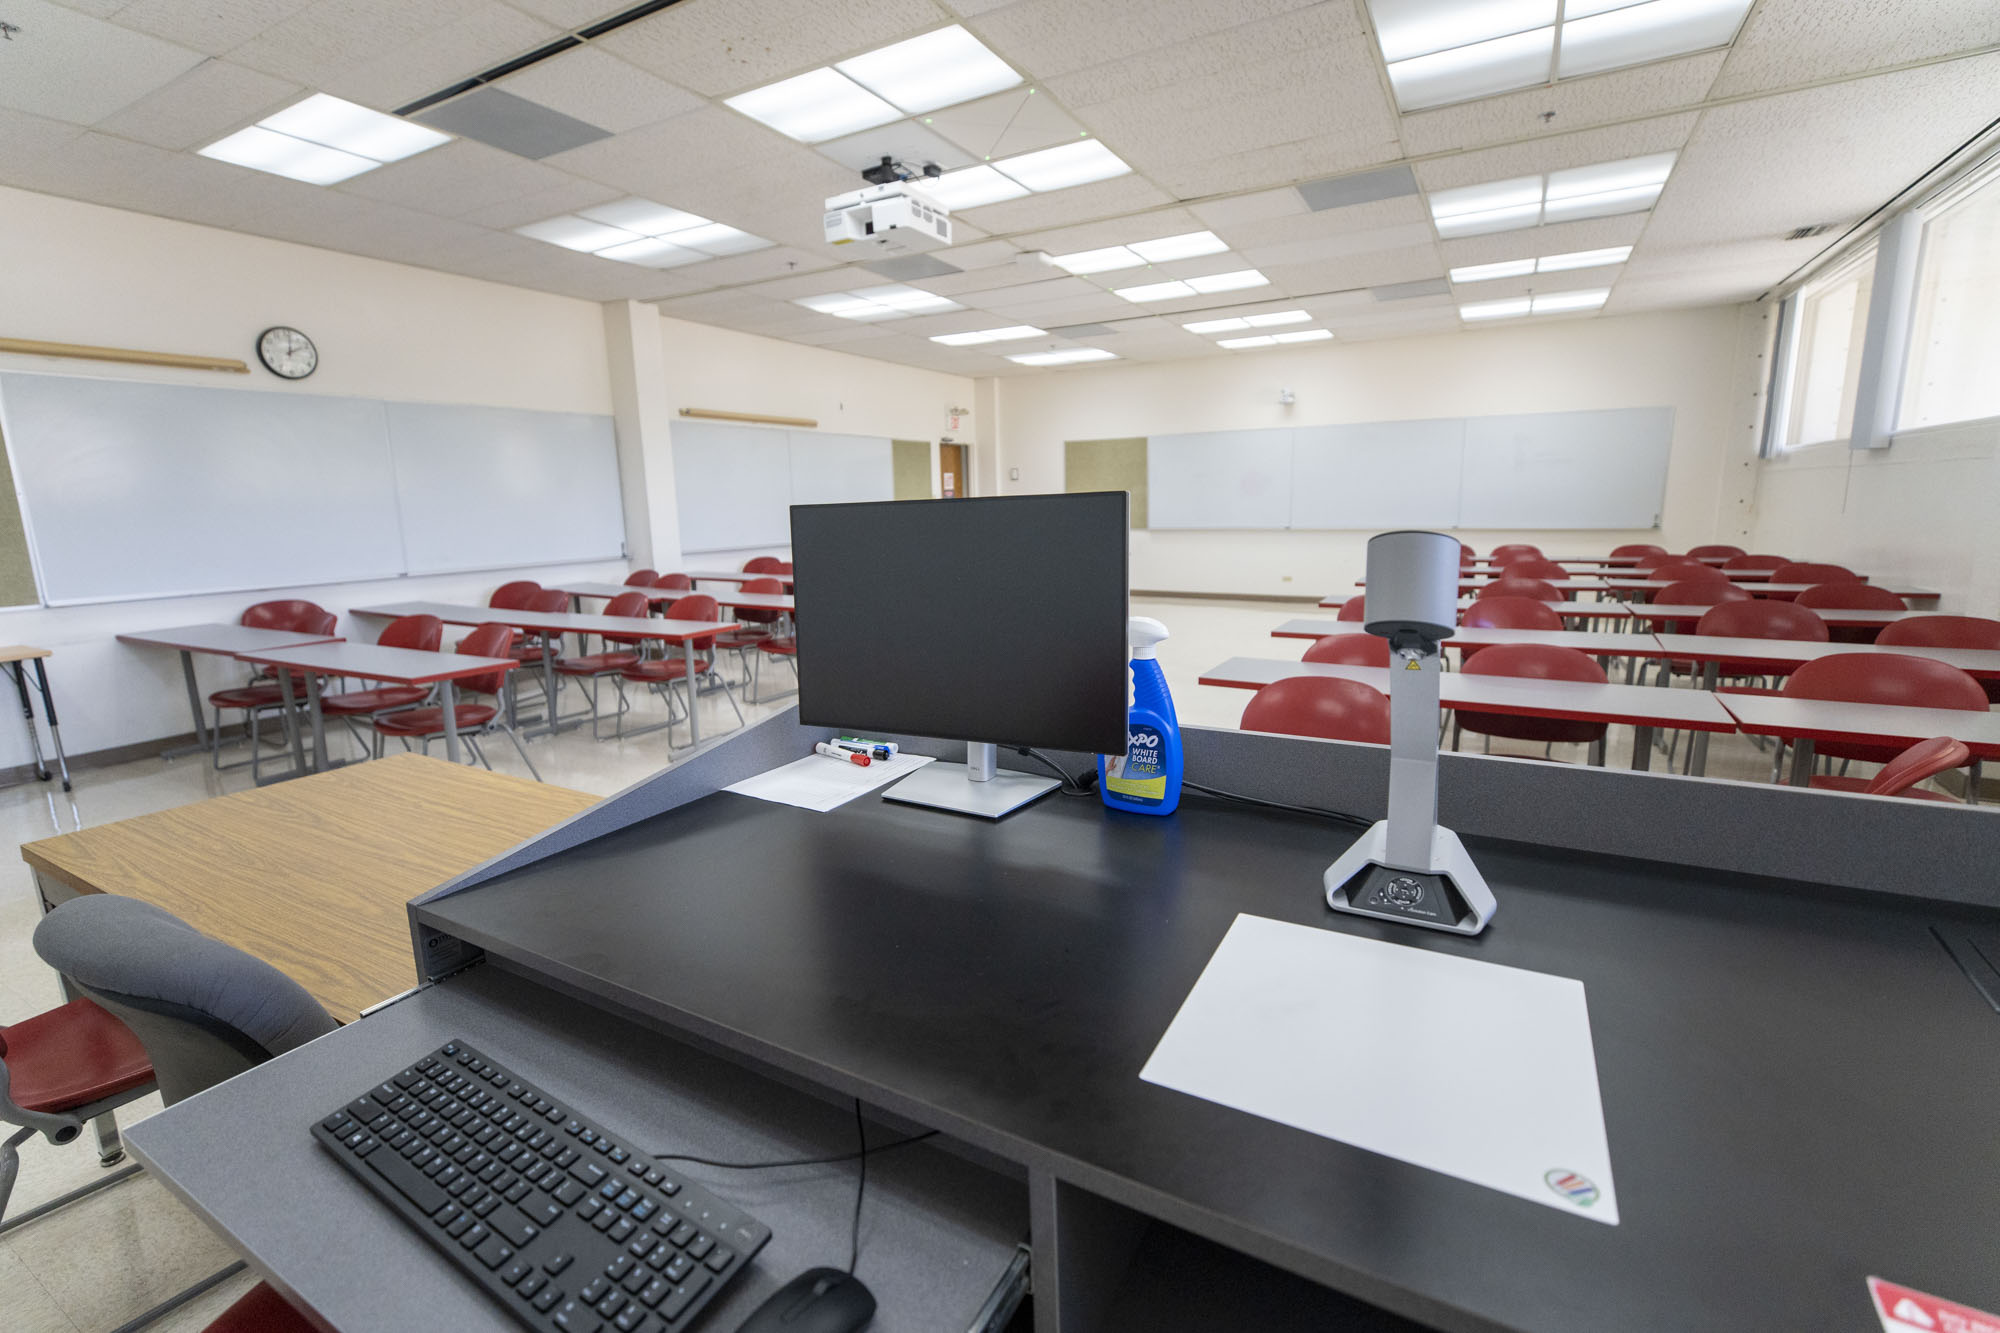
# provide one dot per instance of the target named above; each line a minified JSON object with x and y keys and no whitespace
{"x":1641,"y":707}
{"x":222,"y":640}
{"x":1806,"y":721}
{"x":368,"y":661}
{"x":13,"y":660}
{"x":311,"y":876}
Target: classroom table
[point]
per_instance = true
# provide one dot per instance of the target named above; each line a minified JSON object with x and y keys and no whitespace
{"x":1639,"y":706}
{"x":1596,"y":643}
{"x":223,"y":641}
{"x":689,"y":634}
{"x":1657,"y":613}
{"x":312,"y":876}
{"x":14,"y":661}
{"x":369,"y":661}
{"x":1577,"y":583}
{"x":732,"y":576}
{"x":1568,"y":610}
{"x":1766,"y":589}
{"x":1802,"y":722}
{"x":749,"y":601}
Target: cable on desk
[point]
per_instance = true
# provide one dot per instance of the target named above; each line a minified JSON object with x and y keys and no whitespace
{"x":1071,"y":786}
{"x":1339,"y":815}
{"x":860,"y":1188}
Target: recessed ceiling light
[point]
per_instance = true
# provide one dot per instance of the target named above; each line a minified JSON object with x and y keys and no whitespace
{"x":972,"y":187}
{"x":1066,"y":165}
{"x":717,"y":239}
{"x":1506,"y":268}
{"x":1154,"y":291}
{"x":830,"y":304}
{"x":1480,"y":70}
{"x":1599,"y":190}
{"x":1068,"y":356}
{"x":1228,"y":282}
{"x":1187,"y":246}
{"x":1638,"y":33}
{"x":1261,"y":340}
{"x":815,"y":106}
{"x":643,"y":216}
{"x":1554,"y":302}
{"x":1304,"y":336}
{"x":869,"y":310}
{"x":1098,"y":261}
{"x":1409,"y":28}
{"x":1008,"y":334}
{"x":1495,"y":309}
{"x":899,"y":297}
{"x":1217,"y":325}
{"x":574,"y":233}
{"x":937,"y":69}
{"x":1279,"y":317}
{"x":1617,"y":254}
{"x":282,"y":155}
{"x":353,"y":129}
{"x":891,"y":301}
{"x":652,"y":253}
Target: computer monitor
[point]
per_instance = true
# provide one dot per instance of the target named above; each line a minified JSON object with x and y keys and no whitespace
{"x":991,"y":621}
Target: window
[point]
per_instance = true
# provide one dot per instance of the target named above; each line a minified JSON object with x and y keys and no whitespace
{"x":1826,"y":338}
{"x":1955,"y":335}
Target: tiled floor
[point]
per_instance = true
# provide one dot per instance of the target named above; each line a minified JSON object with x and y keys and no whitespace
{"x":90,"y":1267}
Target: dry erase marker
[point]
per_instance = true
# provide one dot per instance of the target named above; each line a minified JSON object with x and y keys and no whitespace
{"x":835,"y":752}
{"x":883,"y":750}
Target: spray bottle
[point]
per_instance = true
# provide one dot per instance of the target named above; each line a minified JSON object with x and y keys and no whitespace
{"x":1146,"y":779}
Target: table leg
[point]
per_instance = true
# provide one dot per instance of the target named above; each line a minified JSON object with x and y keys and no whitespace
{"x":1698,"y":746}
{"x":201,"y":735}
{"x":449,"y":696}
{"x":1802,"y":762}
{"x":1642,"y":748}
{"x":318,"y":723}
{"x":20,"y":674}
{"x":694,"y":700}
{"x":55,"y":728}
{"x":292,"y":721}
{"x":548,"y":682}
{"x":1972,"y":784}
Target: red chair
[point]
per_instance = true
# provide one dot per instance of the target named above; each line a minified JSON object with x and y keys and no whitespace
{"x":1681,"y":569}
{"x":1466,"y":555}
{"x":1696,"y":592}
{"x":527,"y":648}
{"x":260,"y":1310}
{"x":659,"y":673}
{"x":1511,"y":613}
{"x":1354,"y":610}
{"x":1753,"y":618}
{"x":423,"y":633}
{"x":1540,"y":590}
{"x":1349,"y":650}
{"x":1652,"y":559}
{"x":784,"y":569}
{"x":266,"y":693}
{"x":1883,"y":678}
{"x":473,"y":719}
{"x":1539,"y":662}
{"x":755,"y":623}
{"x":1323,"y":706}
{"x":674,"y":583}
{"x":59,"y":1071}
{"x":1504,"y":555}
{"x":1636,"y":548}
{"x":778,"y":648}
{"x":642,"y":578}
{"x":1845,"y":596}
{"x":1900,"y":776}
{"x":1534,"y":568}
{"x":1757,"y":562}
{"x":514,"y":596}
{"x":1713,"y":551}
{"x":762,"y":564}
{"x":1947,"y":632}
{"x":594,"y":667}
{"x":1805,"y":571}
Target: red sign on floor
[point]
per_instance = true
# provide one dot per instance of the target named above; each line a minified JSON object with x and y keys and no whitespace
{"x":1903,"y":1310}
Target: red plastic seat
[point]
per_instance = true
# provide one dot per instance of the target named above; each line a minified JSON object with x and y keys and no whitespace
{"x":673,"y":583}
{"x":260,"y":696}
{"x":1947,"y":632}
{"x":1534,"y":568}
{"x":1808,"y":572}
{"x":1322,"y":706}
{"x":1349,"y":650}
{"x":1757,"y":562}
{"x":1504,"y":555}
{"x":71,"y":1056}
{"x":1511,"y":613}
{"x":1679,"y":569}
{"x":642,"y":578}
{"x":547,"y":602}
{"x":1756,"y":618}
{"x":1900,"y":776}
{"x":753,"y":619}
{"x":1695,"y":592}
{"x":1652,"y":559}
{"x":423,"y":633}
{"x":1636,"y":548}
{"x":1714,"y":550}
{"x":260,"y":1310}
{"x":1845,"y":596}
{"x":660,"y":672}
{"x":1466,"y":555}
{"x":631,"y":605}
{"x":1539,"y":662}
{"x":1540,"y":590}
{"x":513,"y":596}
{"x":473,"y":719}
{"x":762,"y":564}
{"x":1883,"y":678}
{"x":1354,"y":610}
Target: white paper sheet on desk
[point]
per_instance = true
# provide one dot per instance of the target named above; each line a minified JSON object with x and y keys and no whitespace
{"x":1480,"y":1071}
{"x":819,"y":783}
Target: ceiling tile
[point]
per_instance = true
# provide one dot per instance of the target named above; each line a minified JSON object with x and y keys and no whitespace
{"x":984,"y":254}
{"x":432,"y":61}
{"x":906,"y":141}
{"x":1018,"y":121}
{"x":718,"y":47}
{"x":1031,"y":293}
{"x":1244,"y":209}
{"x":209,"y":101}
{"x":456,"y":179}
{"x":1356,"y":220}
{"x":759,"y":265}
{"x":27,"y":140}
{"x":812,"y":284}
{"x":1053,"y":37}
{"x":1791,"y":42}
{"x":1667,"y":85}
{"x":569,"y":196}
{"x":1579,"y":149}
{"x":1407,"y":236}
{"x":214,"y":26}
{"x":1119,"y":195}
{"x":598,"y":88}
{"x":1112,"y":231}
{"x":102,"y":9}
{"x":327,"y":38}
{"x":1560,"y":238}
{"x":1349,"y":271}
{"x":568,"y":14}
{"x":40,"y":68}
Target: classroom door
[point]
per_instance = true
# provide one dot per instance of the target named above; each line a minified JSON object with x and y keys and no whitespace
{"x":953,"y":459}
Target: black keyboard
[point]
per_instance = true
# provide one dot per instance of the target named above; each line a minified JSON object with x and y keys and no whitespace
{"x":564,"y":1225}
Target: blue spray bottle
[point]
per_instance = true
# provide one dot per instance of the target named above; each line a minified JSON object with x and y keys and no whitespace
{"x":1146,"y":779}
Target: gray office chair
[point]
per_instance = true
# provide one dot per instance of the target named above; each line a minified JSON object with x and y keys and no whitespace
{"x":203,"y":1010}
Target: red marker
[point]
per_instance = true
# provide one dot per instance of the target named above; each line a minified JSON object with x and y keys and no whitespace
{"x":835,"y":752}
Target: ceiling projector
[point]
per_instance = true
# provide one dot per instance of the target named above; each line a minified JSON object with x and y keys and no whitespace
{"x":896,"y":218}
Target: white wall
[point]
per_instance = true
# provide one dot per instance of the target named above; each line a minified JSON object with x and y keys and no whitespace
{"x":1692,"y":360}
{"x":86,"y":274}
{"x":726,"y":371}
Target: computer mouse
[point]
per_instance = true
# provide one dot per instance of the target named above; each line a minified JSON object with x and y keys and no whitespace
{"x":819,"y":1300}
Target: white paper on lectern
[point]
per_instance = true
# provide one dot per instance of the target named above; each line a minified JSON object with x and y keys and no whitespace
{"x":1483,"y":1072}
{"x":819,"y":783}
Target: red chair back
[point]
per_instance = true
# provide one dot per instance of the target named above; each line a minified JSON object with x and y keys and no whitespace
{"x":1510,"y":613}
{"x":1636,"y":548}
{"x":1322,"y":706}
{"x":488,"y":640}
{"x":1354,"y":610}
{"x":1714,"y":550}
{"x":1757,"y":562}
{"x":550,"y":602}
{"x":1923,"y":760}
{"x":424,"y":633}
{"x":1349,"y":650}
{"x":1807,"y":572}
{"x":751,"y":615}
{"x":673,"y":583}
{"x":642,"y":578}
{"x":695,"y":606}
{"x":784,"y":568}
{"x":1850,"y":597}
{"x":1653,"y":559}
{"x":1711,"y":591}
{"x":762,"y":564}
{"x":632,"y":605}
{"x":1534,"y":568}
{"x":1883,"y":678}
{"x":1761,"y":618}
{"x":1941,"y":631}
{"x":1539,"y":662}
{"x":1466,"y":555}
{"x":1515,"y":550}
{"x":1540,"y":590}
{"x":294,"y":614}
{"x":513,"y":596}
{"x":1681,"y":569}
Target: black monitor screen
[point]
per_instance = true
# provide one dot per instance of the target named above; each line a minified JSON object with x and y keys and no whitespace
{"x":998,"y":620}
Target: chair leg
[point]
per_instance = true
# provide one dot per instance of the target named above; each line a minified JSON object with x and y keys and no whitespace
{"x":110,"y":1149}
{"x":522,"y":751}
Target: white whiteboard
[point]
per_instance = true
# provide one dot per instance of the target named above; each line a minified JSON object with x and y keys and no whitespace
{"x":138,"y":490}
{"x":1387,"y":474}
{"x":487,"y":487}
{"x":735,"y":485}
{"x":1219,"y":479}
{"x":1567,"y":469}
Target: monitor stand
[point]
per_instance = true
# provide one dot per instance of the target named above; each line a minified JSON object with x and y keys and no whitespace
{"x":979,"y":786}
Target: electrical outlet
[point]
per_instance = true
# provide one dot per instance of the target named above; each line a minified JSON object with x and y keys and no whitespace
{"x":1013,"y":474}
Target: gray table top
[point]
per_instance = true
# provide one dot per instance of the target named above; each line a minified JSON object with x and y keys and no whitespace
{"x":553,"y":622}
{"x":1594,"y":642}
{"x":226,"y":639}
{"x":408,"y":666}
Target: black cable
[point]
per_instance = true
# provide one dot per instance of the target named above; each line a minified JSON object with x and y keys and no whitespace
{"x":1072,"y":786}
{"x":860,"y":1188}
{"x":796,"y":1161}
{"x":1340,"y":815}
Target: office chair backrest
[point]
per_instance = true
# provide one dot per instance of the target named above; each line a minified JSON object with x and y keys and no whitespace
{"x":674,"y":583}
{"x":1760,"y":618}
{"x":204,"y":1011}
{"x":1717,"y":549}
{"x":548,"y":602}
{"x":641,"y":578}
{"x":1322,"y":706}
{"x":423,"y":633}
{"x":1539,"y":589}
{"x":293,"y":613}
{"x":1757,"y":562}
{"x":762,"y":564}
{"x":1637,"y":548}
{"x":1700,"y":592}
{"x":1925,"y":759}
{"x":1534,"y":569}
{"x":1513,"y":551}
{"x":489,"y":640}
{"x":1680,"y":569}
{"x":1844,"y":596}
{"x":694,"y":606}
{"x":513,"y":596}
{"x":1806,"y":571}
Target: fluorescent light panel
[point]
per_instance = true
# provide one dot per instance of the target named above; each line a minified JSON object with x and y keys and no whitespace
{"x":1516,"y":268}
{"x":1478,"y":310}
{"x":1066,"y":357}
{"x":1228,"y":282}
{"x":1553,"y":303}
{"x":1603,"y":189}
{"x":971,"y":187}
{"x":1279,"y":317}
{"x":938,"y":69}
{"x":1557,"y":302}
{"x":889,"y":301}
{"x":1235,"y":322}
{"x":1059,"y":168}
{"x":1109,"y":259}
{"x":1154,"y":291}
{"x":813,"y":107}
{"x":1217,"y":325}
{"x":1303,"y":336}
{"x":1008,"y":334}
{"x":1259,"y":340}
{"x":323,"y":140}
{"x":639,"y":231}
{"x":643,"y":216}
{"x":1189,"y":245}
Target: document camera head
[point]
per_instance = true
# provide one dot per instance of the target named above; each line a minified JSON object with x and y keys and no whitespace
{"x":1412,"y":589}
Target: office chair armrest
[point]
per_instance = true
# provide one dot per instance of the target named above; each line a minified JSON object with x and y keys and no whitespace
{"x":57,"y":1127}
